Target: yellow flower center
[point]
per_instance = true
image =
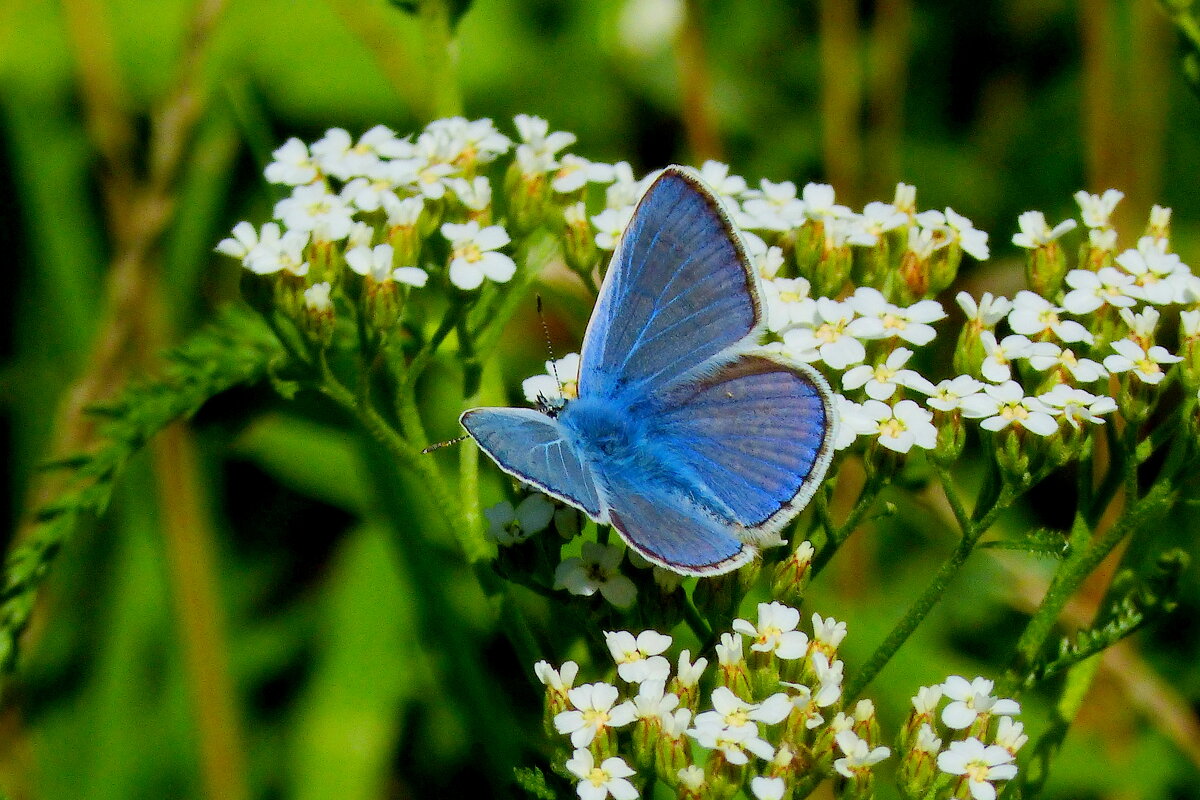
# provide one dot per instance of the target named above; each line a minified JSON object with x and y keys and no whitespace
{"x":829,"y":332}
{"x":737,"y":719}
{"x":598,"y":777}
{"x":596,"y":718}
{"x":892,"y":428}
{"x":790,"y":297}
{"x":1011,"y":411}
{"x":1148,"y":367}
{"x":883,"y":373}
{"x":892,"y":322}
{"x":470,"y":252}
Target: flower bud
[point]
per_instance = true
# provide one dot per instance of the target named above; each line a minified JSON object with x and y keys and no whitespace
{"x":792,"y":575}
{"x":579,"y":242}
{"x":914,"y":278}
{"x":809,"y":247}
{"x":528,"y":194}
{"x":918,"y":769}
{"x":832,"y":271}
{"x":318,"y":320}
{"x":1045,"y":269}
{"x":943,"y":269}
{"x":673,"y":750}
{"x":951,"y":437}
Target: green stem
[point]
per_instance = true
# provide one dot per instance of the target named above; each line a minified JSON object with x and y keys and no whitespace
{"x":972,"y":530}
{"x":695,"y":620}
{"x":440,"y":69}
{"x":1075,"y":569}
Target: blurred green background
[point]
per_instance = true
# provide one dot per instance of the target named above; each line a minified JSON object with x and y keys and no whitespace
{"x":256,"y":616}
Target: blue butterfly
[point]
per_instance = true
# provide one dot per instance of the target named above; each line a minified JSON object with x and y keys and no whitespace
{"x":696,"y":445}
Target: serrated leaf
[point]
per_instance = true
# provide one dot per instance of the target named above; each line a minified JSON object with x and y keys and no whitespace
{"x":1040,"y":542}
{"x":533,"y":781}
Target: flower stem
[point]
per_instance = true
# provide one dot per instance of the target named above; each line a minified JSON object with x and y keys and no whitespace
{"x":440,"y":68}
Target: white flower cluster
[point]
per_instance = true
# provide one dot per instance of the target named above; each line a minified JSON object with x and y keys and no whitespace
{"x":981,"y":740}
{"x":796,"y":679}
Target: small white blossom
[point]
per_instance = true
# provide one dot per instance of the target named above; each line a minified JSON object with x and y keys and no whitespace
{"x":596,"y":570}
{"x":610,"y":224}
{"x":979,"y":764}
{"x":1034,"y":315}
{"x":717,"y":176}
{"x":574,"y":172}
{"x":1048,"y":356}
{"x":880,"y":218}
{"x":819,"y":202}
{"x":950,"y":393}
{"x":776,"y":631}
{"x":788,"y":303}
{"x":828,"y":633}
{"x":1010,"y":735}
{"x":829,"y":673}
{"x":539,"y":147}
{"x":639,"y":659}
{"x":1005,"y":405}
{"x":774,"y":207}
{"x":559,"y":382}
{"x":969,"y":699}
{"x":313,"y":209}
{"x":1145,"y":362}
{"x":880,"y":381}
{"x":473,"y":255}
{"x":559,"y":680}
{"x":970,"y":239}
{"x":1091,"y":290}
{"x":598,"y":782}
{"x":729,"y":650}
{"x":340,"y":156}
{"x":928,"y":741}
{"x":985,"y":312}
{"x":767,"y":788}
{"x":829,"y":339}
{"x":1096,"y":209}
{"x":1077,"y":406}
{"x":316,"y":298}
{"x":687,"y":672}
{"x":275,"y":252}
{"x":1157,"y":274}
{"x":1035,"y":232}
{"x":879,"y":319}
{"x":508,"y":525}
{"x":901,"y":426}
{"x":927,"y":698}
{"x":244,"y":240}
{"x":732,"y":742}
{"x":859,"y":755}
{"x":292,"y":165}
{"x":593,"y":710}
{"x":853,"y":422}
{"x":653,"y":701}
{"x":476,"y":194}
{"x":997,"y":364}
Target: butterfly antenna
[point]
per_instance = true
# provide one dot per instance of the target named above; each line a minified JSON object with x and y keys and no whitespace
{"x":440,"y":445}
{"x":549,"y":345}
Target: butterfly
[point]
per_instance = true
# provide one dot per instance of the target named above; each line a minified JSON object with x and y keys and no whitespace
{"x":687,"y":437}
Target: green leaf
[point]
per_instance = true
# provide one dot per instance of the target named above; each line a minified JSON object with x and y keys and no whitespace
{"x":533,"y":781}
{"x":1039,"y":542}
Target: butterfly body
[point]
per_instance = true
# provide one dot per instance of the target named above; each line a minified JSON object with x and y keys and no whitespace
{"x":693,"y":443}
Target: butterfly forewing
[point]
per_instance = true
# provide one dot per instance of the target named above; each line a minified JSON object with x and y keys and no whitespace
{"x":536,"y":449}
{"x":677,"y":293}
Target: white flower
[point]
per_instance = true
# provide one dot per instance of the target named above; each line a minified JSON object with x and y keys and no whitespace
{"x":316,"y":298}
{"x":593,"y":711}
{"x":850,"y":229}
{"x":969,"y":699}
{"x":610,"y":224}
{"x":1010,"y":735}
{"x":819,"y":202}
{"x":597,"y":570}
{"x":829,"y":339}
{"x":970,"y":239}
{"x":774,"y":207}
{"x":313,"y":208}
{"x":639,"y":659}
{"x":731,"y":711}
{"x":985,"y":312}
{"x":575,"y":172}
{"x":1077,"y":406}
{"x":776,"y":631}
{"x":829,"y":675}
{"x":880,"y":218}
{"x":275,"y":252}
{"x":904,"y":199}
{"x":539,"y":148}
{"x":1036,"y":233}
{"x":1091,"y":290}
{"x":403,"y":213}
{"x":653,"y":701}
{"x":1156,"y":273}
{"x":361,"y":234}
{"x":711,"y":733}
{"x":1103,"y":239}
{"x":729,"y":650}
{"x":1034,"y":315}
{"x":859,"y":756}
{"x":244,"y":240}
{"x":1096,"y":209}
{"x":598,"y":782}
{"x":927,"y":699}
{"x":788,"y":303}
{"x":767,"y":788}
{"x":766,"y":260}
{"x":688,"y":673}
{"x":879,"y":319}
{"x":692,"y":777}
{"x":625,"y":189}
{"x":292,"y":165}
{"x":980,"y":764}
{"x":880,"y":381}
{"x":342,"y":158}
{"x":508,"y":525}
{"x":476,"y":195}
{"x":853,"y":422}
{"x":901,"y":426}
{"x":560,"y":381}
{"x":717,"y":176}
{"x":950,"y":393}
{"x":1145,"y":362}
{"x":1007,"y":404}
{"x":373,"y":263}
{"x":997,"y":364}
{"x":928,"y":741}
{"x":828,"y":633}
{"x":559,"y":680}
{"x":473,"y":255}
{"x":1083,"y":370}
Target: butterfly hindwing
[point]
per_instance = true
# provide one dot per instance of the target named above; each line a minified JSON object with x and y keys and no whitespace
{"x":535,"y":448}
{"x":753,"y":436}
{"x":678,"y":292}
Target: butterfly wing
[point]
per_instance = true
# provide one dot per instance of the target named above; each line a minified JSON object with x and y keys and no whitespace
{"x":754,"y":438}
{"x":678,"y":292}
{"x":661,"y":522}
{"x":535,"y":448}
